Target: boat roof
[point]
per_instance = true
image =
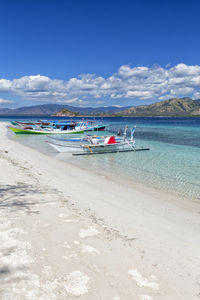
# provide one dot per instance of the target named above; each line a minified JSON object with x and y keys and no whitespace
{"x":65,"y":123}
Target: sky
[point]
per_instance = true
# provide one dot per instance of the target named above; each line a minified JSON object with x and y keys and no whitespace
{"x":98,"y":53}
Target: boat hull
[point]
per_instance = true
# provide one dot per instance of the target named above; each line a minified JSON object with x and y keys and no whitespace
{"x":97,"y":128}
{"x":64,"y":148}
{"x":32,"y":131}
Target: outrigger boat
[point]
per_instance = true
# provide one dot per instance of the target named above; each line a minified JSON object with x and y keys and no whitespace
{"x":81,"y":139}
{"x":40,"y":131}
{"x":67,"y":129}
{"x":93,"y":125}
{"x":96,"y":144}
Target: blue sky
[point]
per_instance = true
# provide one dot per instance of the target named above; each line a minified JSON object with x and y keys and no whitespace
{"x":98,"y":53}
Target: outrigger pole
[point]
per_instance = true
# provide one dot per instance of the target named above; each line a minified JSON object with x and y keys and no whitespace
{"x":116,"y":151}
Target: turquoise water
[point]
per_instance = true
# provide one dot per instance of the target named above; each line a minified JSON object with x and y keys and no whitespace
{"x":172,"y":164}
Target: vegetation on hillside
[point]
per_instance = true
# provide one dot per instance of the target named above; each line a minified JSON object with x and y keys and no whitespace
{"x":66,"y":113}
{"x":172,"y":107}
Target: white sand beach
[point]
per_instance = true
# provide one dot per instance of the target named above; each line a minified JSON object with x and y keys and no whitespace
{"x":68,"y":233}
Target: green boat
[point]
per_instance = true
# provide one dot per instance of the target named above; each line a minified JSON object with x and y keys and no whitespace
{"x":18,"y":130}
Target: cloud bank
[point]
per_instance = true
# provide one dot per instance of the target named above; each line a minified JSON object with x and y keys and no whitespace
{"x":153,"y":83}
{"x":2,"y":101}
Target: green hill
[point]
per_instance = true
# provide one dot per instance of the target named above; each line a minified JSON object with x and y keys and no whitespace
{"x":66,"y":113}
{"x":172,"y":107}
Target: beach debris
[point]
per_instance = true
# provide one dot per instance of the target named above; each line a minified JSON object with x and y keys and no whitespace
{"x":90,"y":231}
{"x":144,"y":282}
{"x":76,"y":283}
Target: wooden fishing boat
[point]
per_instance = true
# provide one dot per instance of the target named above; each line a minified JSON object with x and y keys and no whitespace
{"x":40,"y":130}
{"x":94,"y":144}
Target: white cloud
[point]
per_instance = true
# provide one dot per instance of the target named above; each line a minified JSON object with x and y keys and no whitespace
{"x":118,"y":106}
{"x":196,"y":95}
{"x":126,"y":71}
{"x":185,"y":70}
{"x":2,"y":101}
{"x":139,"y":94}
{"x":5,"y":85}
{"x":139,"y":82}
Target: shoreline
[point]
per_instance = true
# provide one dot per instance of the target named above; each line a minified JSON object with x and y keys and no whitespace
{"x":124,"y":178}
{"x":135,"y":185}
{"x":139,"y":186}
{"x":157,"y":237}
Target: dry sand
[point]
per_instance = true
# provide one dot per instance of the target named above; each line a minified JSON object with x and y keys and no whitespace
{"x":66,"y":233}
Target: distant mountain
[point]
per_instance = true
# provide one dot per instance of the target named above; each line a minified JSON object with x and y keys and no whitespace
{"x":173,"y":107}
{"x":52,"y":109}
{"x":66,"y":113}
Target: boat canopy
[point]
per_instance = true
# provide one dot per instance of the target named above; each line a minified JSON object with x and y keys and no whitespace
{"x":64,"y":123}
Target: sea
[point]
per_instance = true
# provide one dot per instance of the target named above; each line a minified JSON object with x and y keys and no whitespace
{"x":172,"y":165}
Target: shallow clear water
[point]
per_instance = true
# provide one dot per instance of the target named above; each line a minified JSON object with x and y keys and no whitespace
{"x":172,"y":164}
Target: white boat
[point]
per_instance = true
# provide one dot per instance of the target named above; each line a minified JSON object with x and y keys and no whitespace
{"x":95,"y":145}
{"x":79,"y":139}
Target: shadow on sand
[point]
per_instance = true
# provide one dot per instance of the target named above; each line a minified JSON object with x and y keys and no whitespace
{"x":15,"y":199}
{"x":21,"y":197}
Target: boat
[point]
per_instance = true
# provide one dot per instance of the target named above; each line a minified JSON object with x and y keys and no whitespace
{"x":85,"y":138}
{"x":45,"y":131}
{"x":91,"y":138}
{"x":95,"y":144}
{"x":93,"y":125}
{"x":53,"y":127}
{"x":36,"y":129}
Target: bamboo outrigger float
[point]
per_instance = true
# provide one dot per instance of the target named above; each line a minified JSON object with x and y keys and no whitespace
{"x":116,"y":151}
